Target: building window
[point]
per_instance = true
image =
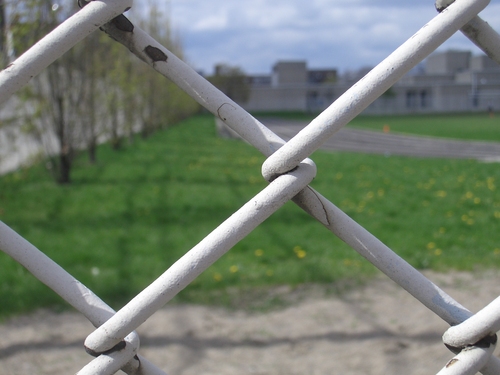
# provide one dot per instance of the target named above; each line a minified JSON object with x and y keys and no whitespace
{"x":424,"y":99}
{"x":411,"y":99}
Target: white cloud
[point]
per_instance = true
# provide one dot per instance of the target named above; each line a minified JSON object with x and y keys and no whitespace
{"x":254,"y":34}
{"x":212,"y":22}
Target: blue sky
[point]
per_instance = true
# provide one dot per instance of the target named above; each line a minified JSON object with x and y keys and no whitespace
{"x":343,"y":34}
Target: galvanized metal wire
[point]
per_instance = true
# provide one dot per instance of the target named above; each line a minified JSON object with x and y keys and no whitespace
{"x":114,"y":342}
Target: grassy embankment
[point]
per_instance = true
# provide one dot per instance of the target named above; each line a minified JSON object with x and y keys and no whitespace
{"x":125,"y":220}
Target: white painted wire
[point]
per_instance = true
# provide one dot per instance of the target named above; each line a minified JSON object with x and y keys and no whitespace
{"x":288,"y":182}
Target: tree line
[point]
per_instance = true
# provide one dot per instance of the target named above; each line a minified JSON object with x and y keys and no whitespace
{"x":98,"y":91}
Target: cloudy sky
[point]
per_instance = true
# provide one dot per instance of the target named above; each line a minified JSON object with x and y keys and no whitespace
{"x":344,"y":34}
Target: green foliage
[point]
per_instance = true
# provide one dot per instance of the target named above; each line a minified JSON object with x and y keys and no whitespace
{"x":128,"y":218}
{"x":232,"y":81}
{"x":96,"y":90}
{"x":469,"y":126}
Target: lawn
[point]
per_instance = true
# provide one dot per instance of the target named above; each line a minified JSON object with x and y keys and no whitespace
{"x":124,"y":221}
{"x":470,"y":126}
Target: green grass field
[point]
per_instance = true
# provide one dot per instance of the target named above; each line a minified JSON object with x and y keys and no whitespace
{"x":127,"y":219}
{"x":469,"y":126}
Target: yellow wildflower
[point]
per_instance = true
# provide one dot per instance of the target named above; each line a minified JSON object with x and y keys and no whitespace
{"x":299,"y":252}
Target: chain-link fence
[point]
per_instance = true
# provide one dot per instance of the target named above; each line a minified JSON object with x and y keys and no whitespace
{"x":114,"y":343}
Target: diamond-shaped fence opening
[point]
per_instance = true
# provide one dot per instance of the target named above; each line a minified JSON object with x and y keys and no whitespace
{"x":114,"y":343}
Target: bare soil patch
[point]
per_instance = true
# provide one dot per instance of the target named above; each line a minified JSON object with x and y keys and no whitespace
{"x":374,"y":329}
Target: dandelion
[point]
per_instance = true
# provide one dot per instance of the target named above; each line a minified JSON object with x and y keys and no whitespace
{"x":254,"y":180}
{"x":497,"y":214}
{"x":431,"y":245}
{"x":259,"y":252}
{"x":477,"y":200}
{"x":339,"y":175}
{"x":361,"y":206}
{"x":299,"y":252}
{"x":269,"y":273}
{"x":441,"y":193}
{"x":465,"y":217}
{"x":253,"y":161}
{"x":370,"y":195}
{"x":496,"y":251}
{"x":233,"y":268}
{"x":438,"y":252}
{"x":363,"y":168}
{"x":380,"y":192}
{"x":490,"y":182}
{"x":469,"y":195}
{"x":461,"y":178}
{"x":217,"y":277}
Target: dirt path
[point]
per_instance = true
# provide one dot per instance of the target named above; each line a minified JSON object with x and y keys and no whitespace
{"x":373,"y":142}
{"x":373,"y":330}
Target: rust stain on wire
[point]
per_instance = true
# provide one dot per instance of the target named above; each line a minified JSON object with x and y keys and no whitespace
{"x":451,"y":363}
{"x":122,"y":23}
{"x":155,"y":54}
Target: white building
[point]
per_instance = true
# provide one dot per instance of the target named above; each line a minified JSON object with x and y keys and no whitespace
{"x":453,"y":81}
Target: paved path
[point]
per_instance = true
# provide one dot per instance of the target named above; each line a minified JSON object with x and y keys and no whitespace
{"x":357,"y":140}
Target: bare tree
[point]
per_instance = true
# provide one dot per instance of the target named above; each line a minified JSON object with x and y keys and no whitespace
{"x":232,"y":81}
{"x":95,"y":91}
{"x":161,"y":101}
{"x":3,"y":33}
{"x":53,"y":95}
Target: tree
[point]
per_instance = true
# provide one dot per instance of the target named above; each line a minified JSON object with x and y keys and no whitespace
{"x":3,"y":34}
{"x":53,"y":92}
{"x":232,"y":81}
{"x":96,"y":91}
{"x":160,"y":102}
